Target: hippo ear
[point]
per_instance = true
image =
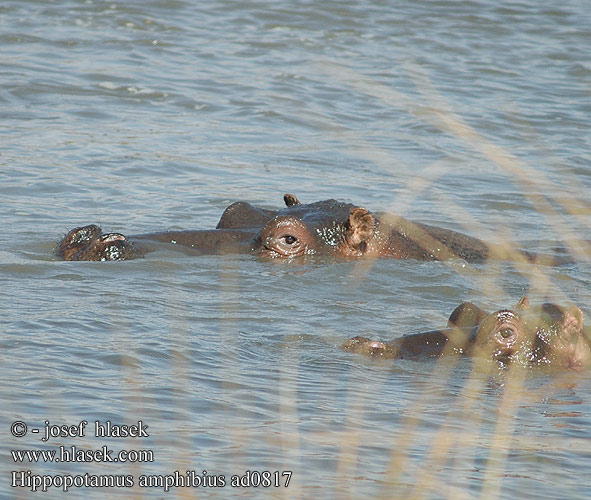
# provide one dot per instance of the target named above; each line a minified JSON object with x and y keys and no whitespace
{"x":523,"y":303}
{"x":359,"y":228}
{"x":291,"y":200}
{"x":573,"y":318}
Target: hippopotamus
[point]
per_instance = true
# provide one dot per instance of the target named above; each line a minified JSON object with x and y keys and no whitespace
{"x":327,"y":227}
{"x":548,"y":334}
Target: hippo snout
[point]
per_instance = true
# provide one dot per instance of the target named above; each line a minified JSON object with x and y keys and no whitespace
{"x":363,"y":345}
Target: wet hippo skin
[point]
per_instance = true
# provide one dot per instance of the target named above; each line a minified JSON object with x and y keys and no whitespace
{"x":326,"y":227}
{"x":545,"y":335}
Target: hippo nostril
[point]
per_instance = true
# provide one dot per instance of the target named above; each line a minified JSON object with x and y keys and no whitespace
{"x":376,"y":347}
{"x":112,"y":237}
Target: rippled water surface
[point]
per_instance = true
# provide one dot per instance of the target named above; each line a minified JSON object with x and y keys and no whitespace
{"x":154,"y":115}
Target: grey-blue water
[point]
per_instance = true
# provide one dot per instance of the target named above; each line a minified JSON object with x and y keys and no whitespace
{"x":154,"y":115}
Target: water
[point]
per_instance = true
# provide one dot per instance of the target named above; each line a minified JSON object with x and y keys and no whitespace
{"x":155,"y":115}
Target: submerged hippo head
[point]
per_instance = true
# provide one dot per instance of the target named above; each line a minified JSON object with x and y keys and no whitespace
{"x":548,"y":334}
{"x":324,"y":227}
{"x":88,"y":243}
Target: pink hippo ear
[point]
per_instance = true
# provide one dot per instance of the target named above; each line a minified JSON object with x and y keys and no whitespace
{"x":523,"y":303}
{"x":572,"y":319}
{"x":291,"y":200}
{"x":359,"y":229}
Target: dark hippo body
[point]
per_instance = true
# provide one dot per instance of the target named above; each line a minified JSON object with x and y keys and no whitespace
{"x":546,"y":335}
{"x":326,"y":227}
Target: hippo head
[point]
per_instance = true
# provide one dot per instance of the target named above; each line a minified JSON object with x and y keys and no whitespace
{"x":88,"y":243}
{"x":325,"y":227}
{"x":546,"y":334}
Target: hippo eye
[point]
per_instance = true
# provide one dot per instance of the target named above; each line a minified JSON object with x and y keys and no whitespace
{"x":506,"y":333}
{"x":289,"y":239}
